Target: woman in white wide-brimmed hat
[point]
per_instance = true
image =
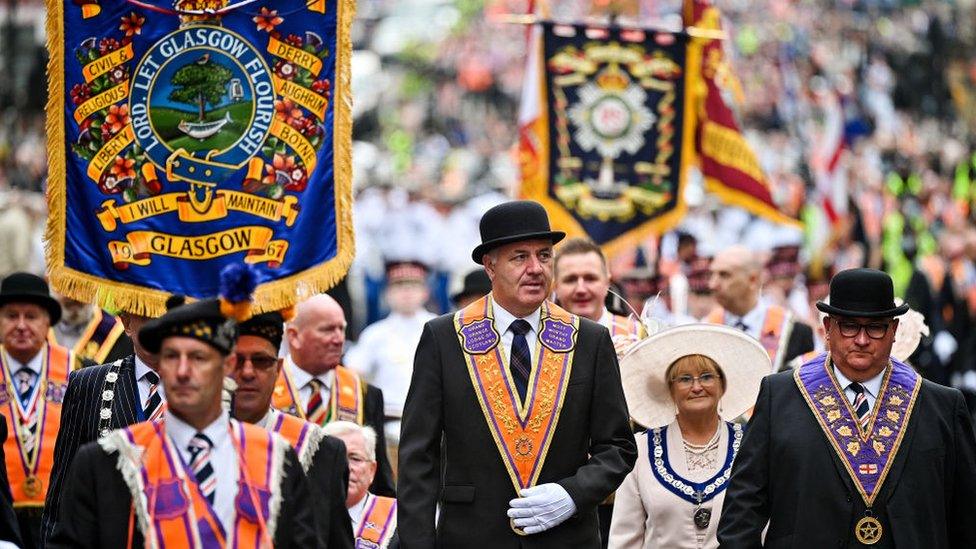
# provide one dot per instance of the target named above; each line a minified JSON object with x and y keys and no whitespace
{"x":686,"y":384}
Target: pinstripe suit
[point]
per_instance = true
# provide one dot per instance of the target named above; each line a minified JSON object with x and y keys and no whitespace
{"x":80,"y":421}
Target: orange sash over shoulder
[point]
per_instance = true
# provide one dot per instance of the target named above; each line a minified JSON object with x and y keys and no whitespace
{"x":775,"y":333}
{"x":303,"y":436}
{"x":29,"y":470}
{"x":99,"y":337}
{"x":347,"y":397}
{"x":171,"y":510}
{"x":522,"y":430}
{"x":625,"y":325}
{"x":378,"y":523}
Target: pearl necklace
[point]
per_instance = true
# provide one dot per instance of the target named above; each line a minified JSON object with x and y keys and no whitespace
{"x":702,"y":457}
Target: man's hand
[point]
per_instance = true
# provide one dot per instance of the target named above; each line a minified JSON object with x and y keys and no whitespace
{"x":541,"y":508}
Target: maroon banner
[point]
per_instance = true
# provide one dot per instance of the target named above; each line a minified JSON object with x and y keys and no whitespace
{"x":727,"y":161}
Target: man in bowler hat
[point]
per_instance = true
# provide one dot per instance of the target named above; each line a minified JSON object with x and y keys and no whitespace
{"x":854,"y":448}
{"x":34,"y":376}
{"x":527,"y":400}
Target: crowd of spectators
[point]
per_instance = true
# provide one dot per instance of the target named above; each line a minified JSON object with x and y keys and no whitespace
{"x":436,"y":88}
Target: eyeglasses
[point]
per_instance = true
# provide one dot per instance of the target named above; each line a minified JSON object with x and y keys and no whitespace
{"x":875,"y":330}
{"x":259,"y":362}
{"x":705,"y":380}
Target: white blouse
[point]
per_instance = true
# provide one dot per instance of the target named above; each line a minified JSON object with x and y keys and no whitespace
{"x":648,"y":514}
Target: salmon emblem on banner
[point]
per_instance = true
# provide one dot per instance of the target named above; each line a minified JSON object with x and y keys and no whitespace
{"x":186,"y":136}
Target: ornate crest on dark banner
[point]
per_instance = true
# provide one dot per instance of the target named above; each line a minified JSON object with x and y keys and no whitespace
{"x":184,"y":136}
{"x":616,"y":135}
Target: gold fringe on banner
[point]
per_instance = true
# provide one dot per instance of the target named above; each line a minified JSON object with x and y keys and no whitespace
{"x":120,"y":296}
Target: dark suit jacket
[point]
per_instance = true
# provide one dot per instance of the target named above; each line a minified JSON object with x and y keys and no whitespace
{"x":9,"y":528}
{"x":328,"y":477}
{"x":79,"y":424}
{"x":96,"y":505}
{"x":591,"y":452}
{"x":786,"y":472}
{"x":801,"y":341}
{"x":383,"y":484}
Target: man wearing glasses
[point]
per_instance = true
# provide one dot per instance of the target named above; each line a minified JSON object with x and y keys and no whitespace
{"x":322,"y":457}
{"x":854,"y":448}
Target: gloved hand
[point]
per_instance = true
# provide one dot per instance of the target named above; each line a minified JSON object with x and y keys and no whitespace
{"x":944,"y":346}
{"x":541,"y":508}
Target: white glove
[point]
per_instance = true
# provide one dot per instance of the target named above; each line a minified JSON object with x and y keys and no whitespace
{"x":944,"y":345}
{"x":541,"y":508}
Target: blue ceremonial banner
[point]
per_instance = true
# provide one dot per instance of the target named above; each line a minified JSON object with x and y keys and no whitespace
{"x":606,"y":151}
{"x":184,"y":136}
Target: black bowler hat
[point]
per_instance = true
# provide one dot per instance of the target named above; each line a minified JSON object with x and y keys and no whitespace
{"x":476,"y":283}
{"x":514,"y":221}
{"x":269,"y":326}
{"x":862,"y":293}
{"x":201,"y":320}
{"x":29,"y":288}
{"x":212,"y":321}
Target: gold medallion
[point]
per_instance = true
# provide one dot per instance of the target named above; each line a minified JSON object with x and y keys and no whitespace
{"x":868,"y":530}
{"x":516,"y":529}
{"x":33,"y":486}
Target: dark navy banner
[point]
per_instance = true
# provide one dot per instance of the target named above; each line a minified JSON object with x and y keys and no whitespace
{"x":612,"y":160}
{"x":184,"y":136}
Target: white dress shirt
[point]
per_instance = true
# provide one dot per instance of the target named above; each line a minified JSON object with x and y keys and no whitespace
{"x":143,"y":385}
{"x":871,"y":387}
{"x":223,"y":458}
{"x":35,"y":364}
{"x":753,"y":320}
{"x":384,"y":356}
{"x":504,"y":320}
{"x":356,"y":513}
{"x":606,"y":319}
{"x":301,"y":379}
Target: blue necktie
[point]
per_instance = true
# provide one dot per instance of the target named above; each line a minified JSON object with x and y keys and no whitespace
{"x":520,"y":363}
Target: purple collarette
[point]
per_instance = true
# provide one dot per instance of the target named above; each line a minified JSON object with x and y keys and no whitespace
{"x":867,"y":455}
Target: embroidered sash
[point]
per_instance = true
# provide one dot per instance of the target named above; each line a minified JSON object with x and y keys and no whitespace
{"x":303,"y":436}
{"x":692,"y":492}
{"x":775,"y":332}
{"x":347,"y":397}
{"x":378,"y":523}
{"x":29,"y":472}
{"x":98,"y":338}
{"x":868,"y":455}
{"x":522,"y":430}
{"x":170,"y":507}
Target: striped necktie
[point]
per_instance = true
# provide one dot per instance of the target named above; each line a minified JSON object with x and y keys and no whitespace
{"x":520,"y":363}
{"x":28,"y":421}
{"x":861,"y":407}
{"x":315,"y":411}
{"x":200,"y":448}
{"x":153,"y":407}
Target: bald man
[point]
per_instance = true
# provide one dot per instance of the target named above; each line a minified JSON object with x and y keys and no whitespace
{"x":316,"y":387}
{"x":735,"y":281}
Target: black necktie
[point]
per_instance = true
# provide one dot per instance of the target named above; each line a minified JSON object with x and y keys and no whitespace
{"x":520,"y":363}
{"x":741,"y":325}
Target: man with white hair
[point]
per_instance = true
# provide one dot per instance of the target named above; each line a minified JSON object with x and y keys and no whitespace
{"x":316,"y":387}
{"x":374,"y":518}
{"x":736,"y":279}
